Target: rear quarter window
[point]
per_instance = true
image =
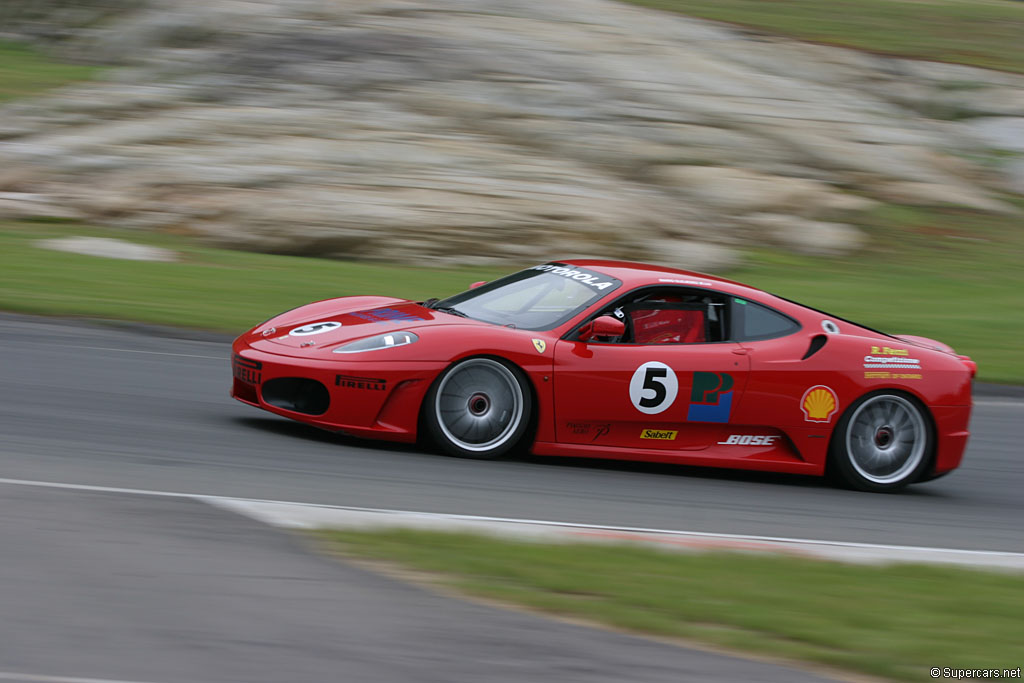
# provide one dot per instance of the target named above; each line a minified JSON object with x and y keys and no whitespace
{"x":752,"y":321}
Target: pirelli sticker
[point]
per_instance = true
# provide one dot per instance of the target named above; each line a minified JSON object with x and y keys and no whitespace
{"x":246,"y":369}
{"x":365,"y":383}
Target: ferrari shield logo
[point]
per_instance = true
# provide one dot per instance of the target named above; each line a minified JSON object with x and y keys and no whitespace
{"x":540,"y":345}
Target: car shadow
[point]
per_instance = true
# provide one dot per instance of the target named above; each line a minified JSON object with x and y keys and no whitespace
{"x":682,"y":470}
{"x":298,"y":430}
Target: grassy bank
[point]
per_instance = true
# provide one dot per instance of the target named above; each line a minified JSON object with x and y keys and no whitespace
{"x":985,"y":34}
{"x":895,"y":622}
{"x":25,"y":71}
{"x":953,"y":275}
{"x":206,"y":288}
{"x":945,"y":273}
{"x":925,"y":274}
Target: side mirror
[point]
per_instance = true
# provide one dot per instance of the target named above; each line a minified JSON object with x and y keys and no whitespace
{"x":477,"y":284}
{"x":603,"y":326}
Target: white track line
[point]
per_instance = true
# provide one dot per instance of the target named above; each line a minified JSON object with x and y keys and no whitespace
{"x":154,"y":353}
{"x":312,"y":515}
{"x":1010,"y":403}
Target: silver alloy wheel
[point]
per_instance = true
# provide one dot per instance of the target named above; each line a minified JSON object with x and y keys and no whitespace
{"x":886,"y":439}
{"x":479,"y":405}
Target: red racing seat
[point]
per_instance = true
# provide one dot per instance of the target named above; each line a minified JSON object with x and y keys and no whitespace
{"x":667,"y":325}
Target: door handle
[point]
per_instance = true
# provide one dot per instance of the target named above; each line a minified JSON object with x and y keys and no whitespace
{"x":741,"y":352}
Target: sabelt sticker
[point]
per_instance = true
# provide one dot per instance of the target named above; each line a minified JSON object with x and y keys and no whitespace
{"x":540,"y":345}
{"x":653,"y":388}
{"x":315,"y":328}
{"x":819,"y":404}
{"x":659,"y":434}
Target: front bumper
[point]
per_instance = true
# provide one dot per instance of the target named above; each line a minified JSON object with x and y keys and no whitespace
{"x":377,"y":399}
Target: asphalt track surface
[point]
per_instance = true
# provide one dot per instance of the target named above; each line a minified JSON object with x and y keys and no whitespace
{"x":107,"y":407}
{"x":102,"y":587}
{"x":120,"y":588}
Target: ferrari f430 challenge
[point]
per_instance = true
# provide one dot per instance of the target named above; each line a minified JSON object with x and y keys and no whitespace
{"x":608,"y":359}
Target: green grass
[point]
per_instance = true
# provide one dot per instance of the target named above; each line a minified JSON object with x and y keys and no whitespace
{"x":953,"y":275}
{"x":25,"y":71}
{"x":896,"y":621}
{"x":948,"y":274}
{"x":215,"y":289}
{"x":985,"y":33}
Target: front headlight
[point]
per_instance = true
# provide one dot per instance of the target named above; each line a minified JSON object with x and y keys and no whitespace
{"x":381,"y":341}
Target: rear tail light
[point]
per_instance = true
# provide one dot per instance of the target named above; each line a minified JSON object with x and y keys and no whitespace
{"x":971,"y":365}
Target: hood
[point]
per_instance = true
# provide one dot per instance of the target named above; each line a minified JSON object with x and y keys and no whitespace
{"x":326,"y":329}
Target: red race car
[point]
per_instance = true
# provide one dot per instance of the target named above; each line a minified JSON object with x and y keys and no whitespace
{"x":607,"y":359}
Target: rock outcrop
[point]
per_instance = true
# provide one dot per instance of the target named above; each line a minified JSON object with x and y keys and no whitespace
{"x":486,"y":131}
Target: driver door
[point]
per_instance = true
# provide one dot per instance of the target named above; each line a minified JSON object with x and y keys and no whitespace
{"x":663,"y":396}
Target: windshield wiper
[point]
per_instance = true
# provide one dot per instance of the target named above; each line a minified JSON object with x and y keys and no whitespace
{"x":429,"y":303}
{"x":452,"y":310}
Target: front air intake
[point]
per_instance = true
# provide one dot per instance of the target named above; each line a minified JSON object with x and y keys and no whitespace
{"x":297,"y":394}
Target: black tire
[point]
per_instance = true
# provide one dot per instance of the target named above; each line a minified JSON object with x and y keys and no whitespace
{"x":478,"y":408}
{"x":882,"y":443}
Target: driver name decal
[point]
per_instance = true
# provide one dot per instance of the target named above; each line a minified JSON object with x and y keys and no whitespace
{"x":586,"y":277}
{"x":710,"y":397}
{"x":653,"y":387}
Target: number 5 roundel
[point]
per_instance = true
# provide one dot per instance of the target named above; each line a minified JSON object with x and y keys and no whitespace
{"x":653,"y":387}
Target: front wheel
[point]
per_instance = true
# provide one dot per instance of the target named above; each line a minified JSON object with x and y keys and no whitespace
{"x":882,"y":443}
{"x":479,"y":408}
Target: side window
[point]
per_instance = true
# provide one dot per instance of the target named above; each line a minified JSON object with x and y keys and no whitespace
{"x":752,"y":321}
{"x":666,"y":323}
{"x":670,"y":315}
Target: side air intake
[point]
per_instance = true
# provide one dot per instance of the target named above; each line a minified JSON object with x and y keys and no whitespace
{"x":817,"y":344}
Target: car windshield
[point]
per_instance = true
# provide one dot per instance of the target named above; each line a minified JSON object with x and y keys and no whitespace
{"x":537,"y":298}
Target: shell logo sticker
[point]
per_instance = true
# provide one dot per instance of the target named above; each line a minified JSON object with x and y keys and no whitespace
{"x":819,"y":404}
{"x":540,"y":345}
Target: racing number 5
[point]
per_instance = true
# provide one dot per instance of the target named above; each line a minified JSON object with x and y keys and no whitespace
{"x":651,"y":383}
{"x":653,"y":387}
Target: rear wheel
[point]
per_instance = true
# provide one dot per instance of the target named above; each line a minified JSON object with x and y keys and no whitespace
{"x":479,"y":408}
{"x":882,"y":443}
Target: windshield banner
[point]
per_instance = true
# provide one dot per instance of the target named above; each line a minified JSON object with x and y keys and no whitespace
{"x":587,"y":277}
